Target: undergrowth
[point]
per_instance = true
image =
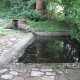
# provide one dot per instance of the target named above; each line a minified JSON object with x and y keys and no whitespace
{"x":48,"y":26}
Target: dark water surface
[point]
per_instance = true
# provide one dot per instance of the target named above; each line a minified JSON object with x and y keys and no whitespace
{"x":52,"y":50}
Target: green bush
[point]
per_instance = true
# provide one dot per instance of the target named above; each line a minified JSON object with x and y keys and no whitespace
{"x":31,"y":4}
{"x":31,"y":14}
{"x":22,"y":9}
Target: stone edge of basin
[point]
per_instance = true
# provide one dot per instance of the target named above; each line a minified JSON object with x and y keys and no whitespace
{"x":25,"y":42}
{"x":16,"y":49}
{"x":52,"y":33}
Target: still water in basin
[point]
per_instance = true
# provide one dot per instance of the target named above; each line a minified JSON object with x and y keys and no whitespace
{"x":52,"y":50}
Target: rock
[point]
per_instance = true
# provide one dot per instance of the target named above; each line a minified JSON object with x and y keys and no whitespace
{"x":62,"y":77}
{"x":4,"y":70}
{"x":26,"y":75}
{"x":50,"y":73}
{"x":18,"y":78}
{"x":7,"y":76}
{"x":5,"y":50}
{"x":44,"y":70}
{"x":47,"y":78}
{"x":2,"y":53}
{"x":13,"y":73}
{"x":37,"y":73}
{"x":33,"y":78}
{"x":35,"y":69}
{"x":13,"y":39}
{"x":22,"y":71}
{"x":60,"y":72}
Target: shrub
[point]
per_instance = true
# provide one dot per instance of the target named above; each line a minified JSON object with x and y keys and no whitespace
{"x":31,"y":14}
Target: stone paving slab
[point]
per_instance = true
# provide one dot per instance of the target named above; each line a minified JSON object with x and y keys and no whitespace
{"x":6,"y":42}
{"x":37,"y":72}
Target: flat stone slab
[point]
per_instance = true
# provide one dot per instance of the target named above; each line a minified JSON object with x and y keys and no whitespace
{"x":47,"y":78}
{"x":18,"y":78}
{"x":44,"y":70}
{"x":53,"y":34}
{"x":33,"y":78}
{"x":37,"y":73}
{"x":7,"y":76}
{"x":14,"y":73}
{"x":13,"y":39}
{"x":21,"y":70}
{"x":17,"y":49}
{"x":35,"y":69}
{"x":62,"y":77}
{"x":27,"y":74}
{"x":50,"y":73}
{"x":3,"y":70}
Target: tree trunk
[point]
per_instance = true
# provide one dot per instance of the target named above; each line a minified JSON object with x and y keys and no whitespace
{"x":19,"y":25}
{"x":14,"y":24}
{"x":39,"y":7}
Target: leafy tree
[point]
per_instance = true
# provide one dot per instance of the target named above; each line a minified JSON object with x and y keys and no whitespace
{"x":67,"y":4}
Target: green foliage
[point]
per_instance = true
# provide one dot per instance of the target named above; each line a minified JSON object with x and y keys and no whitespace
{"x":13,"y":8}
{"x":31,"y":4}
{"x":71,"y":16}
{"x":74,"y":33}
{"x":26,"y":9}
{"x":48,"y":26}
{"x":31,"y":13}
{"x":51,"y":8}
{"x":16,"y":7}
{"x":61,"y":67}
{"x":4,"y":3}
{"x":10,"y":32}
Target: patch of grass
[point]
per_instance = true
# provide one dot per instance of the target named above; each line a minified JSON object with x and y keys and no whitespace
{"x":61,"y":67}
{"x":11,"y":32}
{"x":48,"y":26}
{"x":3,"y":22}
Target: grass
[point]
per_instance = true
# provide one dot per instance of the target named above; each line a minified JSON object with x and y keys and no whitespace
{"x":10,"y":32}
{"x":42,"y":26}
{"x":48,"y":26}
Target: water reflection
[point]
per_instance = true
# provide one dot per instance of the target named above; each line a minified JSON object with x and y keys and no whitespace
{"x":52,"y":50}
